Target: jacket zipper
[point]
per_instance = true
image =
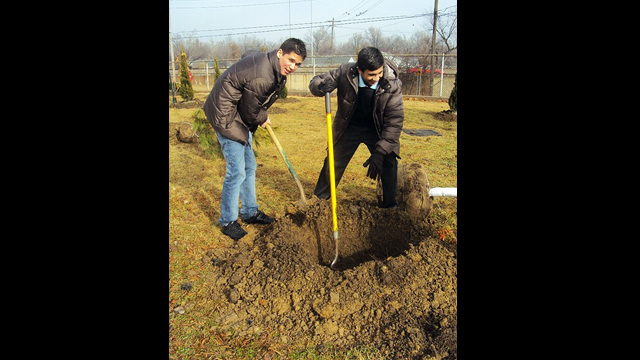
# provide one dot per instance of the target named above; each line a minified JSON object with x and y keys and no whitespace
{"x":353,"y":108}
{"x":375,"y":104}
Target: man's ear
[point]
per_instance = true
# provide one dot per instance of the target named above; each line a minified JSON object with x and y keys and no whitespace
{"x":359,"y":71}
{"x":279,"y":53}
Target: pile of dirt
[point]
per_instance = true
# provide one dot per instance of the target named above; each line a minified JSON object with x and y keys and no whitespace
{"x":447,"y":115}
{"x":191,"y":104}
{"x":395,"y":287}
{"x":413,"y":194}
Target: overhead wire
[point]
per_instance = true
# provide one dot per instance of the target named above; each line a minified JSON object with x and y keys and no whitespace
{"x":237,"y":5}
{"x":306,"y":25}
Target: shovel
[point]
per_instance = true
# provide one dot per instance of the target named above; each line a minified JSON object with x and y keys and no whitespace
{"x":332,"y":173}
{"x":303,"y":199}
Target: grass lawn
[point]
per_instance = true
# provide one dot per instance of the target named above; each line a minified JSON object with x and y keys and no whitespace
{"x":195,"y":185}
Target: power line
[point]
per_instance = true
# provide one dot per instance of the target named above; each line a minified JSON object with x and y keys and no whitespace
{"x":348,"y":12}
{"x":371,"y":7}
{"x":237,"y":5}
{"x":304,"y":25}
{"x":307,"y":25}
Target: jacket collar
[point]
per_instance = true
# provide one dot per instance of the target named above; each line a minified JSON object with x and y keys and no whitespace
{"x":383,"y":83}
{"x":275,"y":64}
{"x":361,"y":83}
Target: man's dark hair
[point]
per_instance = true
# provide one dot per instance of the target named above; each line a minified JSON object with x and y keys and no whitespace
{"x":295,"y":45}
{"x":370,"y":58}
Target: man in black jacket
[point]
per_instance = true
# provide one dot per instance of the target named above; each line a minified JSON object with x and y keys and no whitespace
{"x":370,"y":111}
{"x":236,"y":106}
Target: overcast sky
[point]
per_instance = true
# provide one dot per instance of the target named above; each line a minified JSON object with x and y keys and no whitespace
{"x":269,"y":19}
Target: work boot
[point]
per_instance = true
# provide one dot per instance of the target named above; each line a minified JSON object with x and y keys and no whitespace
{"x":234,"y":230}
{"x":259,"y":218}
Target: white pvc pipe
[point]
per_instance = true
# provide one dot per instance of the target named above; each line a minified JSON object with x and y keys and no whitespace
{"x":438,"y":191}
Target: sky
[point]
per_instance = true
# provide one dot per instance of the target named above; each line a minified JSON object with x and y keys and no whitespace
{"x":270,"y":19}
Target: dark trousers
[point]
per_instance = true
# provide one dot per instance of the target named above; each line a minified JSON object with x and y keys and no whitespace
{"x":343,"y":151}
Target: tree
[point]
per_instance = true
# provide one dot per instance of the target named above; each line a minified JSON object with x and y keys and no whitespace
{"x":194,"y":49}
{"x":321,"y":41}
{"x":185,"y":90}
{"x":246,"y":43}
{"x":216,"y":69}
{"x":448,"y":30}
{"x":374,"y":36}
{"x":354,"y":44}
{"x":453,"y":98}
{"x":234,"y":50}
{"x":206,"y":135}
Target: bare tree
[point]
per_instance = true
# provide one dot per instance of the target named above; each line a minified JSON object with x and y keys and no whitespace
{"x":247,"y":42}
{"x":398,"y":45}
{"x":321,"y":41}
{"x":374,"y":37}
{"x":448,"y":30}
{"x":353,"y":45}
{"x":193,"y":47}
{"x":421,"y":42}
{"x":234,"y":49}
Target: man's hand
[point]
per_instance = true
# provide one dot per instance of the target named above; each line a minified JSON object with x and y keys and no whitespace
{"x":264,"y":124}
{"x":375,"y":165}
{"x":327,"y":85}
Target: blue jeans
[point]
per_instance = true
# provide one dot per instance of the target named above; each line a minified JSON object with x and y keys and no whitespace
{"x":239,"y":182}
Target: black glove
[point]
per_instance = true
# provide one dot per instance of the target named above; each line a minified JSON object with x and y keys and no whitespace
{"x":375,"y":165}
{"x":328,"y":85}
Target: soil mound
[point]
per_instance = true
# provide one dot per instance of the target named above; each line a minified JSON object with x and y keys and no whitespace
{"x":395,"y":288}
{"x":413,"y":191}
{"x":447,"y":115}
{"x":191,"y":104}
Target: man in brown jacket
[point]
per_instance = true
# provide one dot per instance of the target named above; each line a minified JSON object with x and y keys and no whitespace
{"x":236,"y":106}
{"x":370,"y":111}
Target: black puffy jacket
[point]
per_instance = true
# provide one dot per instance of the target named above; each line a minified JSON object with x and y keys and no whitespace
{"x":240,"y":98}
{"x":388,"y":108}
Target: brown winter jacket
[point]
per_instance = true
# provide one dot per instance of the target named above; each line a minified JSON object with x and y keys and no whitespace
{"x":240,"y":98}
{"x":388,"y":108}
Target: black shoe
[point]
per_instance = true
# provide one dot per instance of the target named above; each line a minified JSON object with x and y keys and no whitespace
{"x":234,"y":230}
{"x":259,"y":218}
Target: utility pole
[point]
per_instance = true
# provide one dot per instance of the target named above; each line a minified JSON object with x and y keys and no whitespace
{"x":433,"y":48}
{"x":332,"y":33}
{"x":313,"y":58}
{"x":173,"y":65}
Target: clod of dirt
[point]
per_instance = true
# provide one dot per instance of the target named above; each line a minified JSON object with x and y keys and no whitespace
{"x":185,"y":133}
{"x":234,"y":296}
{"x":395,"y":290}
{"x":413,"y":191}
{"x":186,"y":286}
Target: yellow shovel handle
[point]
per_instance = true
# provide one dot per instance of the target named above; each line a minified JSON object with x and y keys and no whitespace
{"x":332,"y":171}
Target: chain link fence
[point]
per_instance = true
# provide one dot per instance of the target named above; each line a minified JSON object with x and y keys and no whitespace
{"x":419,"y":77}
